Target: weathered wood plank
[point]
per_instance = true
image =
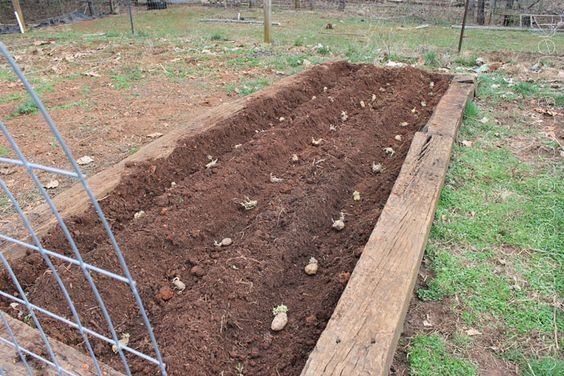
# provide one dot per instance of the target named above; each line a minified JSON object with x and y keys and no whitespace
{"x":70,"y":359}
{"x":452,"y":103}
{"x":362,"y":334}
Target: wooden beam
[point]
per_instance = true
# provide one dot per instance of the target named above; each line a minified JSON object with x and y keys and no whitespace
{"x":361,"y":336}
{"x":29,"y":338}
{"x":454,"y":101}
{"x":74,"y":201}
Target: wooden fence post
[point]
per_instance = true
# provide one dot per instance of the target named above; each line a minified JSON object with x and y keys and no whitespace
{"x":267,"y":21}
{"x":19,"y":15}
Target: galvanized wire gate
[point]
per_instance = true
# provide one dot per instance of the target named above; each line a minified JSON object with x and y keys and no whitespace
{"x":87,"y":333}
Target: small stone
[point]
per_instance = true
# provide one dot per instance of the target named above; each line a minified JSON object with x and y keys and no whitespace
{"x":139,"y":214}
{"x":344,"y":115}
{"x":197,"y":271}
{"x":356,"y":196}
{"x":362,"y":104}
{"x":404,"y":124}
{"x":165,"y":293}
{"x":295,"y":158}
{"x":281,"y":119}
{"x":398,"y":137}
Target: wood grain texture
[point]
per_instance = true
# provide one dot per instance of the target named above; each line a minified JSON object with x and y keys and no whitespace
{"x":70,"y":359}
{"x":445,"y":118}
{"x":74,"y":201}
{"x":361,"y":336}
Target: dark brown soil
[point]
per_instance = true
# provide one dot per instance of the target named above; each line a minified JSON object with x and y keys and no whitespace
{"x":222,"y":320}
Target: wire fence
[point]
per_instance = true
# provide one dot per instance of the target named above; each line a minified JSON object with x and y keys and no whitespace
{"x":36,"y":313}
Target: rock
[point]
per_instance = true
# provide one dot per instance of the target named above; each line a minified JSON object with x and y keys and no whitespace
{"x":139,"y":214}
{"x":165,"y":293}
{"x":398,"y":137}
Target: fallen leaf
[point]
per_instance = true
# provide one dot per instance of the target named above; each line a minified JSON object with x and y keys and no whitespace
{"x":154,"y":135}
{"x":84,"y":160}
{"x":467,"y":143}
{"x":7,"y":171}
{"x":52,"y":184}
{"x":91,"y":74}
{"x":545,"y":111}
{"x":473,"y":332}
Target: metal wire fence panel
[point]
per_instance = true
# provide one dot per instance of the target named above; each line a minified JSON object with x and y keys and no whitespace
{"x":34,"y":313}
{"x":42,"y":10}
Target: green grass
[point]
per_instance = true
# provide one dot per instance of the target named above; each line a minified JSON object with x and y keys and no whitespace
{"x":133,"y":149}
{"x":68,"y":106}
{"x":465,"y":60}
{"x":432,"y":59}
{"x":493,"y":201}
{"x":217,"y":37}
{"x":248,"y":87}
{"x":12,"y":98}
{"x":128,"y":78}
{"x":26,"y":108}
{"x":3,"y":151}
{"x":428,"y":357}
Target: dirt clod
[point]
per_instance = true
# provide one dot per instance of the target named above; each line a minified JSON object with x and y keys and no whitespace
{"x":197,"y":271}
{"x":165,"y":293}
{"x":343,"y":277}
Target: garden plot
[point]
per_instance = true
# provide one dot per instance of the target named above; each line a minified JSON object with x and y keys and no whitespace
{"x":264,"y":213}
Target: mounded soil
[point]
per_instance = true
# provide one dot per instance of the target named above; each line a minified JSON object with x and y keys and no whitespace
{"x":221,"y":321}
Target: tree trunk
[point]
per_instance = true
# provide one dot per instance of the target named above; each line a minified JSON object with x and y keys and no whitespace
{"x":480,"y":15}
{"x":508,"y":19}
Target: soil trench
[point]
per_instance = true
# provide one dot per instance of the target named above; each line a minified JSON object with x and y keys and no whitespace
{"x":336,"y":122}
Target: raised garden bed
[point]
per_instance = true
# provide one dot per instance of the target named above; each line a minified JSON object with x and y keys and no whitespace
{"x":321,"y":132}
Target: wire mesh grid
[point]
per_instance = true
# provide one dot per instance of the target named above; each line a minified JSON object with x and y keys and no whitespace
{"x":49,"y":357}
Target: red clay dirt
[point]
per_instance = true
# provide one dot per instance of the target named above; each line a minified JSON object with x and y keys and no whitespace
{"x":221,"y":322}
